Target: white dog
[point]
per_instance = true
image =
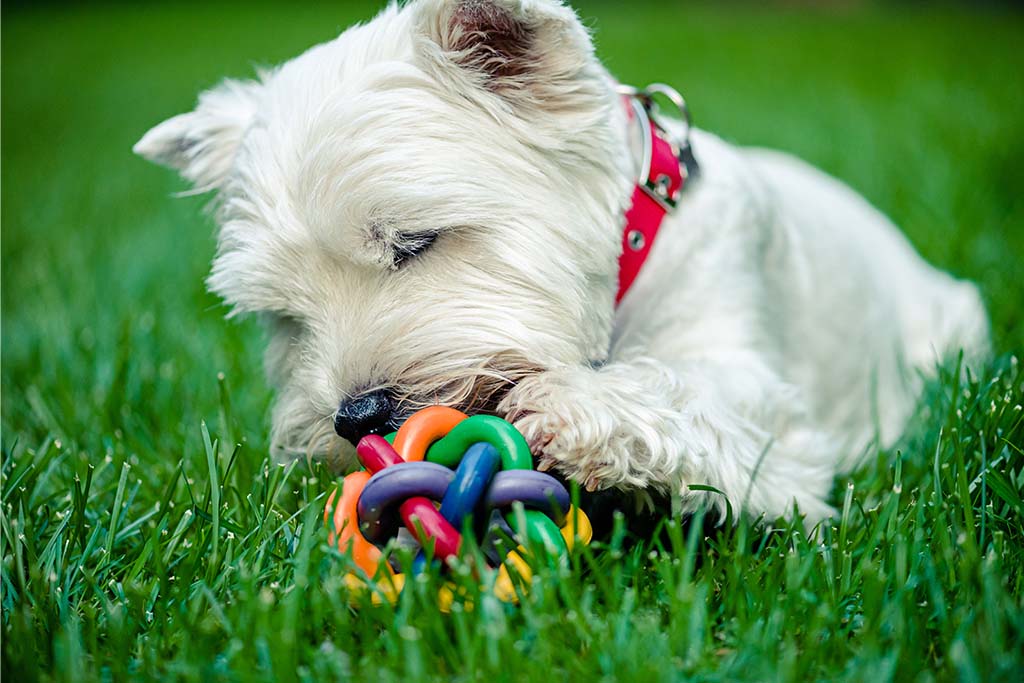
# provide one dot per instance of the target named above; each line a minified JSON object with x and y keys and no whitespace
{"x":430,"y":209}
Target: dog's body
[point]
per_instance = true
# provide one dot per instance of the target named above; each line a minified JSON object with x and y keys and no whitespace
{"x":801,"y":320}
{"x":430,"y":209}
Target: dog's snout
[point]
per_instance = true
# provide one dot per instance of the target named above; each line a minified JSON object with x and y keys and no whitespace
{"x":368,"y":413}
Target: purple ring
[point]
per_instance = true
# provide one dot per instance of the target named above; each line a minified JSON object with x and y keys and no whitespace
{"x":377,"y":508}
{"x":535,"y":490}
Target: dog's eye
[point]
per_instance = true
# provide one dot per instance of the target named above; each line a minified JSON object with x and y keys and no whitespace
{"x":410,"y":245}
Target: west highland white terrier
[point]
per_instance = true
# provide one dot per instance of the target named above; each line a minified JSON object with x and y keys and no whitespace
{"x":432,"y":209}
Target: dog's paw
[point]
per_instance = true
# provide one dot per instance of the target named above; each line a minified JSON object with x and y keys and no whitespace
{"x":577,"y":426}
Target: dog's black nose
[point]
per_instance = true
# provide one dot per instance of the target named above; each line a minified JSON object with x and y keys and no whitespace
{"x":368,"y":413}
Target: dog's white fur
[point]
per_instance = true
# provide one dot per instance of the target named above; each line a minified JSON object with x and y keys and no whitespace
{"x":779,"y":327}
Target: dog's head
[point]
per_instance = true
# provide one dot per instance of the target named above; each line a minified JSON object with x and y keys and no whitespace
{"x":424,"y":210}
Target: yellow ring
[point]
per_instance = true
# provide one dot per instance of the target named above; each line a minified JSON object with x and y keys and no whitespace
{"x":577,"y":528}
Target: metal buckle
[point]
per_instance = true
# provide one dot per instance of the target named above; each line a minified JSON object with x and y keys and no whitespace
{"x":646,"y":110}
{"x":676,"y":99}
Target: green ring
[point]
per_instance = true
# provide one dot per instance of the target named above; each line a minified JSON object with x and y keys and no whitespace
{"x":540,"y":530}
{"x":514,"y":451}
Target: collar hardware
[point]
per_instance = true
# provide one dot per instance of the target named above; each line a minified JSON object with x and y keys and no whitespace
{"x":666,"y":165}
{"x":636,"y":240}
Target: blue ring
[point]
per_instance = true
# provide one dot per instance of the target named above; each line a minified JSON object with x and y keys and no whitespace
{"x":473,"y":476}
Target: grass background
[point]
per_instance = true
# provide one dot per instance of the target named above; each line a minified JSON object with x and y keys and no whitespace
{"x":131,"y":548}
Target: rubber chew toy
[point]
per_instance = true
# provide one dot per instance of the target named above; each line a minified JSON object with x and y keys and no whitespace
{"x":446,"y":472}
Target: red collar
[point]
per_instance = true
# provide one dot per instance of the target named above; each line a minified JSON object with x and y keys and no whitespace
{"x":665,"y":167}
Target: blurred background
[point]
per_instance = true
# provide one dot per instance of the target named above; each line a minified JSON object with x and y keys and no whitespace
{"x":110,"y":339}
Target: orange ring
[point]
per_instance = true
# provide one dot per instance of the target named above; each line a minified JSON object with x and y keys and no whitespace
{"x":424,"y":428}
{"x":365,"y":554}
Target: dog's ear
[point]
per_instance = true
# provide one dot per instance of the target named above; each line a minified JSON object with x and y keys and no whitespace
{"x":532,"y":52}
{"x":201,"y":144}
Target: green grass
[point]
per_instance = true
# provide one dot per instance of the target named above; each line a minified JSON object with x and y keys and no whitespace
{"x":132,"y":548}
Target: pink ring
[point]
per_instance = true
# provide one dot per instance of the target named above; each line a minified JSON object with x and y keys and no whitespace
{"x":419,"y":513}
{"x":375,"y":453}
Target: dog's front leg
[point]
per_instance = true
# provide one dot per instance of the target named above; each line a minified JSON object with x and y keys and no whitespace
{"x":641,"y":424}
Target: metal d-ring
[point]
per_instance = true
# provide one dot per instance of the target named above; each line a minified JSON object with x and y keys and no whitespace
{"x":676,"y":99}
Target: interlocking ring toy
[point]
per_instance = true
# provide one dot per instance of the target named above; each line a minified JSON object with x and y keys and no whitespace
{"x":442,"y":472}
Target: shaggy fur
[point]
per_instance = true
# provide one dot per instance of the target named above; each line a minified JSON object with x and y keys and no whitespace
{"x":433,"y":203}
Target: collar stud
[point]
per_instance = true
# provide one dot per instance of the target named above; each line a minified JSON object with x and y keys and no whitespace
{"x":636,"y":240}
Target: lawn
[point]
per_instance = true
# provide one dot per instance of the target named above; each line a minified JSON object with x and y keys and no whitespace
{"x":133,"y":546}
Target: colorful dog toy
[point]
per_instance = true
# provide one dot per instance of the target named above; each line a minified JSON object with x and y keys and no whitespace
{"x":446,"y":472}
